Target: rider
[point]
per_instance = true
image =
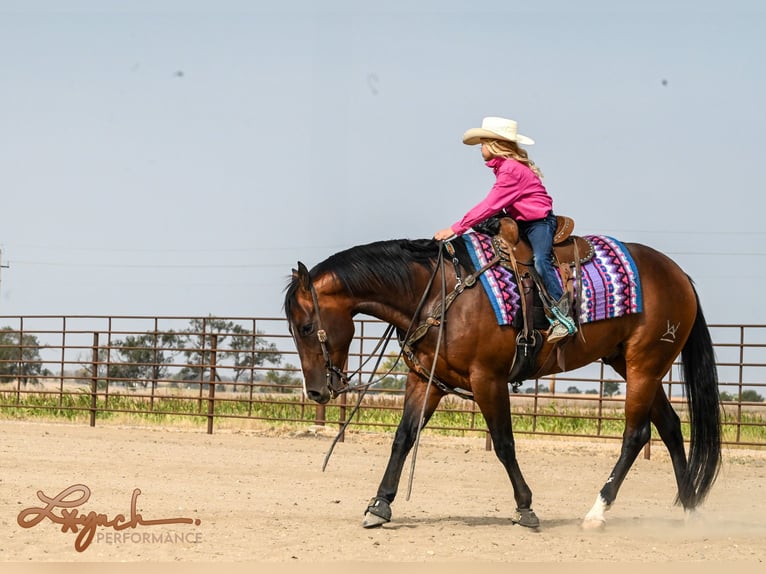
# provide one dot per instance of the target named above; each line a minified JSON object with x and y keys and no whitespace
{"x":519,"y":193}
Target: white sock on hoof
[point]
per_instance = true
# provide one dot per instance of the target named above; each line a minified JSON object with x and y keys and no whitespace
{"x":595,"y":517}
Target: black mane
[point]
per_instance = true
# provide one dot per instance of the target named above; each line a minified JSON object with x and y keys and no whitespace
{"x":383,"y":264}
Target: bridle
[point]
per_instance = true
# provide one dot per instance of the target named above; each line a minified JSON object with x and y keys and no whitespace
{"x":410,"y":337}
{"x":329,"y":368}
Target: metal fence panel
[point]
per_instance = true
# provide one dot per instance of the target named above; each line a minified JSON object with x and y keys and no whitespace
{"x":208,"y":370}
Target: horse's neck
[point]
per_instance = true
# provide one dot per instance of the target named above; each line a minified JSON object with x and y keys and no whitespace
{"x":396,"y":314}
{"x":394,"y":305}
{"x":396,"y":308}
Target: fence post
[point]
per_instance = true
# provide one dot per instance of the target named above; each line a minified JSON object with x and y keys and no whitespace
{"x":94,"y":381}
{"x":740,"y":381}
{"x":20,"y":364}
{"x":211,"y":387}
{"x":63,"y":362}
{"x":342,"y":416}
{"x":321,"y":416}
{"x":600,"y":419}
{"x":155,"y":366}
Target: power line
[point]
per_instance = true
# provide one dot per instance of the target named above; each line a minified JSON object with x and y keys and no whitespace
{"x":110,"y":249}
{"x":151,"y":265}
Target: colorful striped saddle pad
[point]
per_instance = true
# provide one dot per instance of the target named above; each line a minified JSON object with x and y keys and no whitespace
{"x":611,"y":286}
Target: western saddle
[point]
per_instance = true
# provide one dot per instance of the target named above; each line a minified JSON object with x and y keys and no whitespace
{"x":569,"y":253}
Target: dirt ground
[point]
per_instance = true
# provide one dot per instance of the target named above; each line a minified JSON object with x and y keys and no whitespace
{"x":260,"y":495}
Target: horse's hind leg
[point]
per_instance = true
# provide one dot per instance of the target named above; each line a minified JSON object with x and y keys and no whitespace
{"x":379,"y":509}
{"x":640,"y":398}
{"x":668,"y":425}
{"x":637,"y":434}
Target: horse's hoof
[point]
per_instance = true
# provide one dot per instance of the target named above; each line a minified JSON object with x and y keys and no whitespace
{"x":526,"y":517}
{"x":378,"y":512}
{"x":372,"y":521}
{"x":593,"y":524}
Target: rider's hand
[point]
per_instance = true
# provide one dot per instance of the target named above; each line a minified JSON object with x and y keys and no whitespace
{"x":443,"y":234}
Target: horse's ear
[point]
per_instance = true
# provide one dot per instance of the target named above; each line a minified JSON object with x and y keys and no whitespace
{"x":302,"y":275}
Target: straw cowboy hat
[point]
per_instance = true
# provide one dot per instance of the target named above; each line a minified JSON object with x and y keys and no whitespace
{"x":496,"y":129}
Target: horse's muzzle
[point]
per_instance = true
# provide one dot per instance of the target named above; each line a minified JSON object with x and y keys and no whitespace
{"x":335,"y":383}
{"x":322,"y":397}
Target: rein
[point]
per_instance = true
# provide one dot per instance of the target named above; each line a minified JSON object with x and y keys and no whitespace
{"x":436,"y":316}
{"x":407,"y":342}
{"x":361,"y":396}
{"x":421,"y":420}
{"x":322,"y":335}
{"x":438,"y":312}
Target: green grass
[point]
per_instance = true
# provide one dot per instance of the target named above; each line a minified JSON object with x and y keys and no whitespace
{"x":379,"y":413}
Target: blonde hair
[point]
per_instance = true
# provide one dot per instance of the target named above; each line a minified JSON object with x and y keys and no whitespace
{"x":511,"y":150}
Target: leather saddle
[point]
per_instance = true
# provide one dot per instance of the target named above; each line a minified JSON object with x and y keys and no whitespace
{"x":568,"y":249}
{"x":569,"y":252}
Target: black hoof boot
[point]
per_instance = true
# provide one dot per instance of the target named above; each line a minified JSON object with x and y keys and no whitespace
{"x":378,"y":513}
{"x":526,"y":517}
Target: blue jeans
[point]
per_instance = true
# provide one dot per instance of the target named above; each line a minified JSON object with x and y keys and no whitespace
{"x":539,"y":233}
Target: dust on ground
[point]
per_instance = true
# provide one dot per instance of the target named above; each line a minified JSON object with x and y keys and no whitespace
{"x":260,"y":495}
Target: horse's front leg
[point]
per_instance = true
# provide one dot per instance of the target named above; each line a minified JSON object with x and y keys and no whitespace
{"x":379,"y":510}
{"x":495,"y":404}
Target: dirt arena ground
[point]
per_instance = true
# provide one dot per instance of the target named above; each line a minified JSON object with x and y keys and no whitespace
{"x":260,"y":495}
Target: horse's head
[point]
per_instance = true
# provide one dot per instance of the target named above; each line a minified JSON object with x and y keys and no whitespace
{"x":322,"y":327}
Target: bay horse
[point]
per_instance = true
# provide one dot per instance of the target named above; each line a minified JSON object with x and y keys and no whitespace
{"x":395,"y":280}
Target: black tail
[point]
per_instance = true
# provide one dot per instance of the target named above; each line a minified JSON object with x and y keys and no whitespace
{"x":701,"y":380}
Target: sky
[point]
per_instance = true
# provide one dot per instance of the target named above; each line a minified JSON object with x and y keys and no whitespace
{"x":178,"y":157}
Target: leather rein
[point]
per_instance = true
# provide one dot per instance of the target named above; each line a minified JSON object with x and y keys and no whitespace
{"x":436,"y":315}
{"x":406,"y":342}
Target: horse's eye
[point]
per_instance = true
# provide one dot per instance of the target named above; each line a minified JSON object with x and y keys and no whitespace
{"x":307,"y":329}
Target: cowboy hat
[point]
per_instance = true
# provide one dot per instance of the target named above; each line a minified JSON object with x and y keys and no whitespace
{"x":496,"y":129}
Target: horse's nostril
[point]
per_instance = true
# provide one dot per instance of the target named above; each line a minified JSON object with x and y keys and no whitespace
{"x":315,"y":396}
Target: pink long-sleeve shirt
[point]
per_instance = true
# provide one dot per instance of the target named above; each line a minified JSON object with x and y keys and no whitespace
{"x":517,"y":189}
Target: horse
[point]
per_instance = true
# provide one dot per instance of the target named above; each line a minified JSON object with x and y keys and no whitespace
{"x":468,"y":352}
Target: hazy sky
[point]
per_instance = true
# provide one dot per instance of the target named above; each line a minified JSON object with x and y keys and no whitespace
{"x":178,"y":157}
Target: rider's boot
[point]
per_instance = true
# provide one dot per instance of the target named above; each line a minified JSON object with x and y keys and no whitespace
{"x":562,"y":323}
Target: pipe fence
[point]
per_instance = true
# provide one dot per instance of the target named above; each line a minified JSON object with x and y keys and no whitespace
{"x":212,"y":371}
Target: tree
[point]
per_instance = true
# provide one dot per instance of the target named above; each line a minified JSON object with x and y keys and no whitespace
{"x":283,"y":381}
{"x":751,"y":396}
{"x":748,"y":396}
{"x":393,"y":371}
{"x":611,"y":388}
{"x":19,"y":356}
{"x":573,"y":390}
{"x":539,"y":389}
{"x":247,"y":350}
{"x":142,"y":358}
{"x":234,"y":343}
